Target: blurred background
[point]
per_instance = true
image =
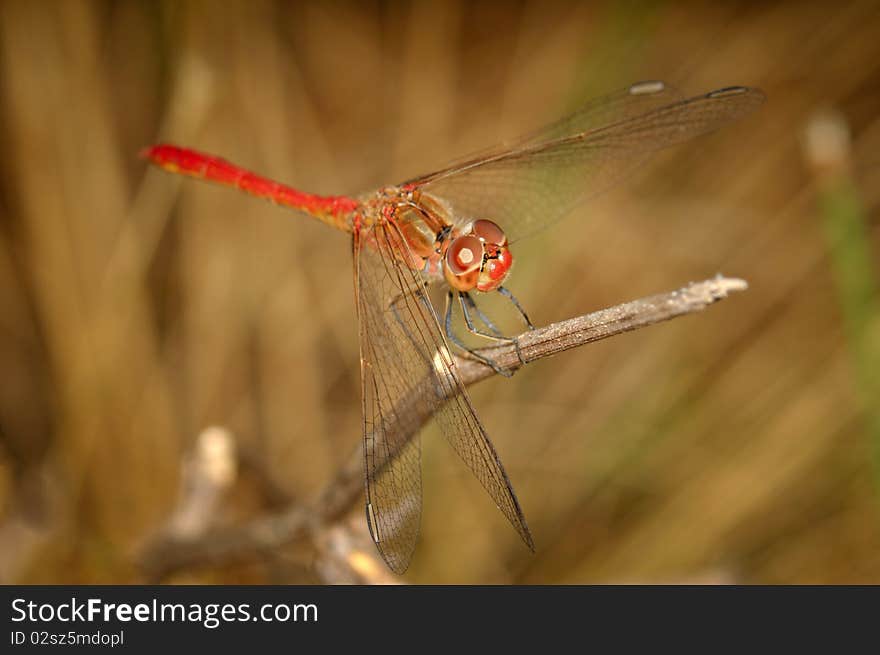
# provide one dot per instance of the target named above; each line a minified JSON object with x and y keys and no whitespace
{"x":178,"y":358}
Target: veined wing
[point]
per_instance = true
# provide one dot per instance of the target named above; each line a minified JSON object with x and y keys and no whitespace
{"x":544,"y":175}
{"x":408,"y":375}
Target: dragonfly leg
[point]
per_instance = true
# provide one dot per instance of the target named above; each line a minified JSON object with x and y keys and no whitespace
{"x":482,"y":316}
{"x":467,"y":303}
{"x":450,"y":334}
{"x":506,"y":293}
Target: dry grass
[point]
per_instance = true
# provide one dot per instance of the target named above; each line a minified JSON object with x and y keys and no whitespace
{"x":734,"y":445}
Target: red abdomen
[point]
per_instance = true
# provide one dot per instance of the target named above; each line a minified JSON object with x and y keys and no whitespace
{"x":334,"y":210}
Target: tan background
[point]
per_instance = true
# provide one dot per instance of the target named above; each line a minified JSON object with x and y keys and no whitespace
{"x":136,"y":311}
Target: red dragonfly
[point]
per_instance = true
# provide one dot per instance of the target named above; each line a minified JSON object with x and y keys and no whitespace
{"x":441,"y":228}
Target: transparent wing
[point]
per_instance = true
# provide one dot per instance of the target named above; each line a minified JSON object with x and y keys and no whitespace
{"x":407,"y":375}
{"x":541,"y":177}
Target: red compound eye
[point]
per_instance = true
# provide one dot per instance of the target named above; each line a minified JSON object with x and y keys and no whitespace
{"x":495,"y":271}
{"x":463,"y":260}
{"x":464,"y":255}
{"x":489,"y":232}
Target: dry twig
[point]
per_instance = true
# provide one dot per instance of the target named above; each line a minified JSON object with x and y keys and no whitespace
{"x":168,"y":554}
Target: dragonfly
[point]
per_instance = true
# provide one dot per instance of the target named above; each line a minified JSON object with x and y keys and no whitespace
{"x":455,"y":226}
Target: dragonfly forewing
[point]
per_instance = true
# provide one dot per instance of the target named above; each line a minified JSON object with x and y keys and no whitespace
{"x":408,"y":376}
{"x":543,"y":176}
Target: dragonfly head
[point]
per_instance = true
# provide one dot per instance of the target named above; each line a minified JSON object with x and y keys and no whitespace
{"x":479,"y":259}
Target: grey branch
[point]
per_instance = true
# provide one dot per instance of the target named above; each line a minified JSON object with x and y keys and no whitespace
{"x":168,"y":554}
